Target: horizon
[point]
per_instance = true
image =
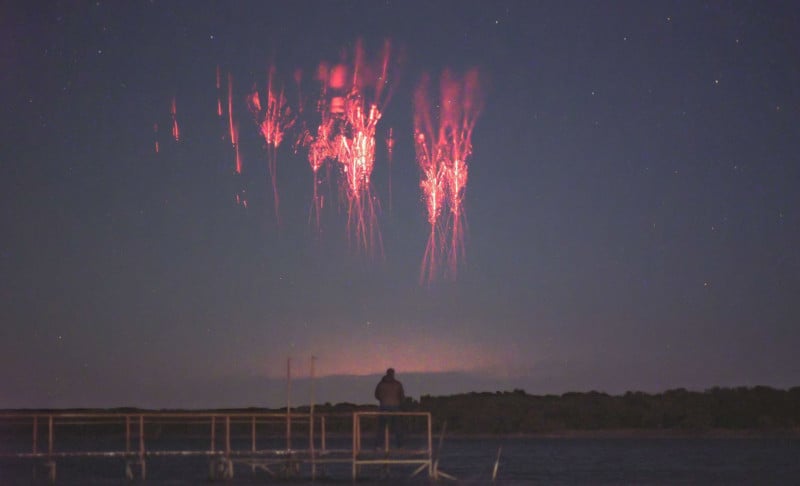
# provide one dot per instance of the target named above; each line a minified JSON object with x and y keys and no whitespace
{"x":352,"y":389}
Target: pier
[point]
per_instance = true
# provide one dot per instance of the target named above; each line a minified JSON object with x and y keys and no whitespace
{"x":280,"y":445}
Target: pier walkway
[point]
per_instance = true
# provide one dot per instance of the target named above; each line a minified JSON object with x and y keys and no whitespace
{"x":280,"y":444}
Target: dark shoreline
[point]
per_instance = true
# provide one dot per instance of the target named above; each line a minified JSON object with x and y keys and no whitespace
{"x":595,"y":433}
{"x":741,"y":412}
{"x":639,"y":434}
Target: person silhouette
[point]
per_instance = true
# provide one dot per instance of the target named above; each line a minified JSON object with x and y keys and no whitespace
{"x":390,"y":395}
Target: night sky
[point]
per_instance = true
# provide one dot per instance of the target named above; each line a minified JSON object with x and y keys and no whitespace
{"x":631,"y":208}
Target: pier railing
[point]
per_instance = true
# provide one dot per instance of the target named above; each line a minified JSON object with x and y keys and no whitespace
{"x":262,"y":440}
{"x":379,"y":453}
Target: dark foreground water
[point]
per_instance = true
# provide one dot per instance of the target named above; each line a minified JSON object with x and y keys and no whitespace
{"x":522,"y":461}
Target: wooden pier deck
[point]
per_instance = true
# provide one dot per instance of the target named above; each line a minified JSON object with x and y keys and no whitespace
{"x":280,"y":444}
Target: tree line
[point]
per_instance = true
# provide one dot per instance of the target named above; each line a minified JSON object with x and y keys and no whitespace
{"x":741,"y":408}
{"x":758,"y":408}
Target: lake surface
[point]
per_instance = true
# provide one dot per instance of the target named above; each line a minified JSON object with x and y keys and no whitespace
{"x":551,"y":461}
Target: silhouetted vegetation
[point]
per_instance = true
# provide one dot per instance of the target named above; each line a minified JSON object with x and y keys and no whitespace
{"x":740,"y":409}
{"x":757,"y":408}
{"x":517,"y":412}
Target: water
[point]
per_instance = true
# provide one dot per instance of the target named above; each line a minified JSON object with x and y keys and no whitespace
{"x":548,"y":461}
{"x":629,"y":461}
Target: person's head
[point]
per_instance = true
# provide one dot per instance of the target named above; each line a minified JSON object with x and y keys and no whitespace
{"x":390,"y":372}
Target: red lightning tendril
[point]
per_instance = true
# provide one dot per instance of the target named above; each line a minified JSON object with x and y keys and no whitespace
{"x":219,"y":95}
{"x":350,"y":108}
{"x":273,"y":119}
{"x":389,"y":153}
{"x":443,"y":164}
{"x":357,"y":148}
{"x":233,"y":136}
{"x":318,"y":151}
{"x":173,"y":113}
{"x":233,"y":133}
{"x":352,"y":98}
{"x":320,"y":145}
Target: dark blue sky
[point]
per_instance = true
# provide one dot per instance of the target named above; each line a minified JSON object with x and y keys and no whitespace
{"x":632,"y":204}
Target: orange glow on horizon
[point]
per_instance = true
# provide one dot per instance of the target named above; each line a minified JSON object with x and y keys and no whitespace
{"x":423,"y":354}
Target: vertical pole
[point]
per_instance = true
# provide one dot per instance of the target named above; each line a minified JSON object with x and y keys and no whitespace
{"x":227,"y":436}
{"x":322,"y":439}
{"x":288,"y":404}
{"x":438,"y":450}
{"x":430,"y":433}
{"x":430,"y":445}
{"x":386,"y":436}
{"x":213,"y":431}
{"x":35,"y":432}
{"x":49,"y":435}
{"x":253,"y":434}
{"x":253,"y":442}
{"x":311,"y":425}
{"x":127,"y":433}
{"x":355,"y":444}
{"x":141,"y":436}
{"x":50,"y":462}
{"x":141,"y":446}
{"x":357,"y":433}
{"x":496,"y":463}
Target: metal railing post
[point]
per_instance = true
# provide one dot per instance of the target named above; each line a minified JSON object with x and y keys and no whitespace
{"x":35,"y":432}
{"x":355,"y":445}
{"x":49,"y":435}
{"x":386,"y":435}
{"x":213,"y":431}
{"x":141,"y":447}
{"x":253,"y":434}
{"x":430,"y":445}
{"x":127,"y":433}
{"x":322,"y":437}
{"x":311,"y":444}
{"x":227,"y":436}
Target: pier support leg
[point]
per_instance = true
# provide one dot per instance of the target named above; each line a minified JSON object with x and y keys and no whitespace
{"x":50,"y":468}
{"x":290,"y":469}
{"x":228,"y":468}
{"x":130,"y":467}
{"x":220,"y":468}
